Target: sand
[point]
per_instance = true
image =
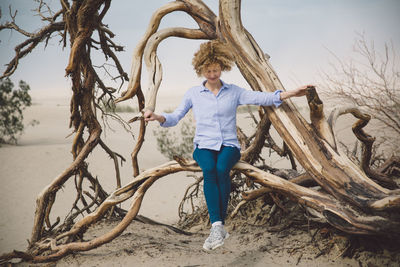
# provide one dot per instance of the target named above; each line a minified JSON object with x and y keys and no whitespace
{"x":44,"y":151}
{"x":252,"y":246}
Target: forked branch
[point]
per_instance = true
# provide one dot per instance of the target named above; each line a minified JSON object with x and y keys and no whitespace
{"x":136,"y":67}
{"x":152,"y":62}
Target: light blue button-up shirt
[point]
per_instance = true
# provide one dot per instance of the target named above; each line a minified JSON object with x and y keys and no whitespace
{"x":215,"y":115}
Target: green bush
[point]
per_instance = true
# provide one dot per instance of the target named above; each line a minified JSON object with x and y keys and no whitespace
{"x":12,"y":103}
{"x":170,"y":142}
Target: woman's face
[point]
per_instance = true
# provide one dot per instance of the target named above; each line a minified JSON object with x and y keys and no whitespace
{"x":212,"y":73}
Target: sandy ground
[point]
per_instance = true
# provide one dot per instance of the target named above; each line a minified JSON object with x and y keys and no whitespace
{"x":148,"y":245}
{"x":44,"y":151}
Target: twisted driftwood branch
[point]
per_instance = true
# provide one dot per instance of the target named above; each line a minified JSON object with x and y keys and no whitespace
{"x":366,"y":140}
{"x":136,"y":67}
{"x":153,"y":64}
{"x":318,"y":117}
{"x":140,"y":138}
{"x":49,"y":190}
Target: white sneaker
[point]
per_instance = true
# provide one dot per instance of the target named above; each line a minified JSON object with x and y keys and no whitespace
{"x":216,"y":238}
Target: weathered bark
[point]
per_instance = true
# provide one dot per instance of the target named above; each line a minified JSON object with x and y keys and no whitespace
{"x":391,"y":167}
{"x":304,"y":180}
{"x":318,"y":120}
{"x":140,"y":138}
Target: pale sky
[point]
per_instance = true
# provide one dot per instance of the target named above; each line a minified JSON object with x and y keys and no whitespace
{"x":298,"y":36}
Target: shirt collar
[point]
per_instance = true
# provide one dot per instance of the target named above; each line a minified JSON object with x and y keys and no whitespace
{"x":203,"y":88}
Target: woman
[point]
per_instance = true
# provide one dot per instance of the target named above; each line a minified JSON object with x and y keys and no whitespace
{"x":217,"y":149}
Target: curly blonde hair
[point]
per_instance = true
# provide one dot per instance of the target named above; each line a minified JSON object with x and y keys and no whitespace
{"x":210,"y":53}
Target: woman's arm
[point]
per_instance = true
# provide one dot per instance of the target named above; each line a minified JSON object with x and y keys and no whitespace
{"x":301,"y":91}
{"x":171,"y":119}
{"x":267,"y":98}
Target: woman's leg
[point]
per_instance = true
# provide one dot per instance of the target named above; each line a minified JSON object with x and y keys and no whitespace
{"x":227,"y":158}
{"x":207,"y":160}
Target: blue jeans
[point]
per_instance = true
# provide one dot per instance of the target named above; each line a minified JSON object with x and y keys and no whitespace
{"x":216,"y":166}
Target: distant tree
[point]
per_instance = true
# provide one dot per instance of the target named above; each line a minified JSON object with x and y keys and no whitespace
{"x":370,"y":81}
{"x":12,"y":103}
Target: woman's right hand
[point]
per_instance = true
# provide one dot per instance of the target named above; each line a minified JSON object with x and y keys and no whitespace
{"x":151,"y":116}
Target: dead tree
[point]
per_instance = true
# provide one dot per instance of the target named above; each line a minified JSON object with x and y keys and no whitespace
{"x":371,"y":82}
{"x":349,"y":200}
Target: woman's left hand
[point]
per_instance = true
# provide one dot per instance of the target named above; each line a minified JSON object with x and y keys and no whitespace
{"x":301,"y":91}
